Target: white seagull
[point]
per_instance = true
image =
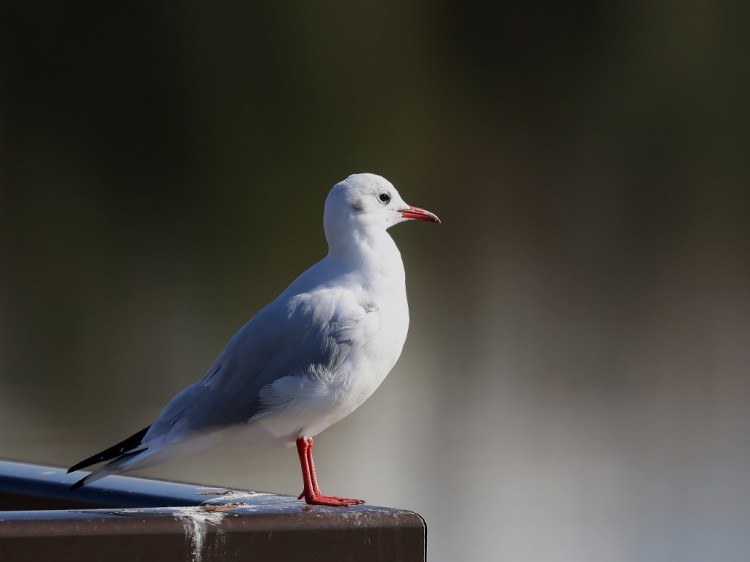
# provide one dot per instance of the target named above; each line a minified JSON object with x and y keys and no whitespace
{"x":306,"y":360}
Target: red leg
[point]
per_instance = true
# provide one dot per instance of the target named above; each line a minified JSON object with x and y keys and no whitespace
{"x":311,"y":492}
{"x":311,"y":465}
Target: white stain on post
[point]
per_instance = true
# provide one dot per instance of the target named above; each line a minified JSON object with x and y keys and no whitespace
{"x":195,"y":521}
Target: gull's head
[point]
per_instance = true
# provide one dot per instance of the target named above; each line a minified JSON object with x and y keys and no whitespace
{"x":363,"y":202}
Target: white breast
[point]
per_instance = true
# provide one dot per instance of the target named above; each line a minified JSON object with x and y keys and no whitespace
{"x":307,"y":405}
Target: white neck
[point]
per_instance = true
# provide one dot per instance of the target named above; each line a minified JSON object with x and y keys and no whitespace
{"x":370,"y":252}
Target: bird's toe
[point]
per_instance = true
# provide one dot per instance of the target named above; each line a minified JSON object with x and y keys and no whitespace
{"x":332,"y":501}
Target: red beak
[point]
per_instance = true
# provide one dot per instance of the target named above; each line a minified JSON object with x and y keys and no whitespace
{"x":419,"y":214}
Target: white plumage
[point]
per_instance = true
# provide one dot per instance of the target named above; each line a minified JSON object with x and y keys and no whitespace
{"x":306,"y":360}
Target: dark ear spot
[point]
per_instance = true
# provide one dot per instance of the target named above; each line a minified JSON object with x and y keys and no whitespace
{"x":358,"y":207}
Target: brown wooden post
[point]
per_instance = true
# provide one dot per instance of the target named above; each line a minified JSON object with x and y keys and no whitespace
{"x":125,"y":518}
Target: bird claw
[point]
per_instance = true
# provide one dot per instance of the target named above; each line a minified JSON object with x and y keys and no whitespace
{"x":335,"y":501}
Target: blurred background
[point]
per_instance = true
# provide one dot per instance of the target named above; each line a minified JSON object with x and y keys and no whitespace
{"x":575,"y":383}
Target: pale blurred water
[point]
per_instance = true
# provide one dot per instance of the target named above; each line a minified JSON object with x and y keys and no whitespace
{"x":575,"y":382}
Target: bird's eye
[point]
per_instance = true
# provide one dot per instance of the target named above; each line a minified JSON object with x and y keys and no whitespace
{"x":384,"y":198}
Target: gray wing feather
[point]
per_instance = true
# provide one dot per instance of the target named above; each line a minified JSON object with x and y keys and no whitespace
{"x":284,"y":338}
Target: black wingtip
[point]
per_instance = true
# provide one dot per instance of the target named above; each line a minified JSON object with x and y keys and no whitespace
{"x":115,"y":451}
{"x":83,"y":464}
